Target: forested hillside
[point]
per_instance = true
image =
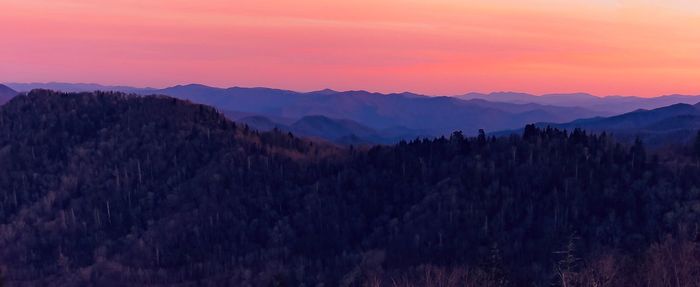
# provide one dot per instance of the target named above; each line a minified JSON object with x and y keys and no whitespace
{"x":106,"y":189}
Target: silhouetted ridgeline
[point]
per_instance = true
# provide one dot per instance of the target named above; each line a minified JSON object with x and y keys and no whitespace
{"x":112,"y":190}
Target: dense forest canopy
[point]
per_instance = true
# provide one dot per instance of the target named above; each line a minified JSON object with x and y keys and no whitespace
{"x":108,"y":189}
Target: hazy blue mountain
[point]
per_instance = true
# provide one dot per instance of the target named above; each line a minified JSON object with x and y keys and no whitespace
{"x":608,"y":104}
{"x":672,"y":124}
{"x":340,"y":131}
{"x":438,"y":115}
{"x":324,"y":92}
{"x":530,"y":112}
{"x":6,"y":94}
{"x":508,"y":97}
{"x":431,"y":116}
{"x":636,"y":119}
{"x":325,"y":127}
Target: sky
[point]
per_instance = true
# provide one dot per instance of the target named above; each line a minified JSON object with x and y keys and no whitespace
{"x":435,"y":47}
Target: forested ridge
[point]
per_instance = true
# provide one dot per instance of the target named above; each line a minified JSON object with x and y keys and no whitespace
{"x":107,"y":189}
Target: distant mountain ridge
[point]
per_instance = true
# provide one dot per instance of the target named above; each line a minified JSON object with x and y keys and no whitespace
{"x":438,"y":115}
{"x":606,"y":104}
{"x":674,"y":124}
{"x":434,"y":116}
{"x":354,"y":117}
{"x":609,"y":104}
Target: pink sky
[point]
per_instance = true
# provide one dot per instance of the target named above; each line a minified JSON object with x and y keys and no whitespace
{"x":438,"y":47}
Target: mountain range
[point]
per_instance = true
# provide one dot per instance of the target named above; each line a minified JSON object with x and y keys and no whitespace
{"x":361,"y":117}
{"x":674,"y":124}
{"x":437,"y":115}
{"x":415,"y":115}
{"x":608,"y":104}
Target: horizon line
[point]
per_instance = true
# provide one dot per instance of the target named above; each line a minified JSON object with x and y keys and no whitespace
{"x":345,"y":91}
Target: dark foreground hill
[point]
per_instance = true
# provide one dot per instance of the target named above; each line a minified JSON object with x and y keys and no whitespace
{"x":112,"y":190}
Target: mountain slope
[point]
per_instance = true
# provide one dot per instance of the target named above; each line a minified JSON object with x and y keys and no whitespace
{"x":262,"y":124}
{"x":125,"y":182}
{"x":339,"y":131}
{"x":6,"y":94}
{"x":104,"y":189}
{"x":672,"y":124}
{"x":324,"y":127}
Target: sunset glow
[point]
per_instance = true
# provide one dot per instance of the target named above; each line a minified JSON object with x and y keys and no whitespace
{"x":437,"y":47}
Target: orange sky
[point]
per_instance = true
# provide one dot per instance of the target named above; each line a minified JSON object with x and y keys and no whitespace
{"x":439,"y":47}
